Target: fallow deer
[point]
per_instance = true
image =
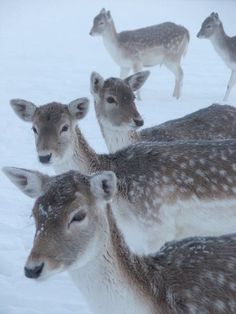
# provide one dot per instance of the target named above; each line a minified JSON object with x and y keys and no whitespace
{"x":212,"y":29}
{"x":165,"y":190}
{"x":119,"y":119}
{"x":165,"y":43}
{"x":77,"y":232}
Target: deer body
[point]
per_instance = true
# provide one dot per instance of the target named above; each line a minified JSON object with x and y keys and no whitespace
{"x":76,"y":231}
{"x":159,"y":184}
{"x":212,"y":29}
{"x":164,"y":43}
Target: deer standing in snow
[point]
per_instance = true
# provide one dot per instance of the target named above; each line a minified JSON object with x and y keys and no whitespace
{"x":119,"y":119}
{"x":165,"y":190}
{"x":76,"y":232}
{"x":212,"y":29}
{"x":165,"y":43}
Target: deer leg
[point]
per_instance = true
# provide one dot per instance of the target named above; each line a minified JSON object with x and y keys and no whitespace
{"x":137,"y":67}
{"x":232,"y":82}
{"x":124,"y":71}
{"x":176,"y":69}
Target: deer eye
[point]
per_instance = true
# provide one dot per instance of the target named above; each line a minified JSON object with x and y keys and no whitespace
{"x":34,"y":130}
{"x":65,"y":128}
{"x":78,"y":217}
{"x":101,"y":23}
{"x":208,"y":26}
{"x":111,"y":100}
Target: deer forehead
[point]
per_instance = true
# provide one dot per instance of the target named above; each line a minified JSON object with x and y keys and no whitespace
{"x":51,"y":114}
{"x":64,"y":194}
{"x":119,"y":89}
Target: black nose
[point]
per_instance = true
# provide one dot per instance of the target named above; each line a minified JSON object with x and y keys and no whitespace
{"x":45,"y":159}
{"x":198,"y":35}
{"x":138,"y":122}
{"x":34,"y":272}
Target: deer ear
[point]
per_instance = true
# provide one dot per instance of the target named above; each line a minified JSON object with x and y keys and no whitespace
{"x":96,"y":83}
{"x":103,"y":185}
{"x":108,"y":14}
{"x":137,"y":80}
{"x":103,"y":11}
{"x":23,"y":108}
{"x":78,"y":108}
{"x":31,"y":183}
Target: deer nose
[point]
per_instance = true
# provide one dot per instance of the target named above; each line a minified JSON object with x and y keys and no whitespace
{"x":34,"y":272}
{"x":138,"y":122}
{"x":198,"y":35}
{"x":45,"y":159}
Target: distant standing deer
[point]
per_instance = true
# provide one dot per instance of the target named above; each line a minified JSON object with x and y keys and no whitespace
{"x":164,"y":43}
{"x":119,"y":119}
{"x":76,"y":232}
{"x":165,"y":190}
{"x":212,"y":29}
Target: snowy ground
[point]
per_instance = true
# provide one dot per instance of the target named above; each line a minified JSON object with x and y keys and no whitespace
{"x":46,"y":54}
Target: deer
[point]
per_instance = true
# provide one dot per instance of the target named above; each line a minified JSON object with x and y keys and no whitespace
{"x":225,"y":46}
{"x":76,"y":231}
{"x":164,"y":43}
{"x":166,"y":191}
{"x":117,"y":116}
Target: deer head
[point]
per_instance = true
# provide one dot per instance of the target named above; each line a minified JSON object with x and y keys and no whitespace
{"x":53,"y":126}
{"x":69,"y":215}
{"x":101,"y":22}
{"x":209,"y":26}
{"x":115,"y":100}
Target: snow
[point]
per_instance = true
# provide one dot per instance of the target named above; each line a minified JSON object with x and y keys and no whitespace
{"x":46,"y":54}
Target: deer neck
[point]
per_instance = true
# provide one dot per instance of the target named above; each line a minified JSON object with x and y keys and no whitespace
{"x":219,"y":41}
{"x":111,"y":41}
{"x":81,"y":156}
{"x":106,"y":281}
{"x":116,"y":139}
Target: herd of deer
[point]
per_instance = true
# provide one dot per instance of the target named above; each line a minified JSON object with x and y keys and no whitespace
{"x":106,"y":218}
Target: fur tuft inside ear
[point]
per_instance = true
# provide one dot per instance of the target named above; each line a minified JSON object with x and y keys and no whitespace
{"x":31,"y":183}
{"x":103,"y":185}
{"x":78,"y":108}
{"x":137,"y":80}
{"x":23,"y":108}
{"x":96,"y":83}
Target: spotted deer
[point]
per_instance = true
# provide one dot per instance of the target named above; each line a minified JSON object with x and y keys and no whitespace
{"x":77,"y":232}
{"x":212,"y":29}
{"x":165,"y":190}
{"x":119,"y":119}
{"x":165,"y":43}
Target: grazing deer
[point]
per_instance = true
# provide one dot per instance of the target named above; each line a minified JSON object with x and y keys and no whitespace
{"x":119,"y":119}
{"x":164,"y":43}
{"x":212,"y":28}
{"x":77,"y":232}
{"x":165,"y":190}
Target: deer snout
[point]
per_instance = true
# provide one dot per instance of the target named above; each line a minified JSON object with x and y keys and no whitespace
{"x":199,"y":34}
{"x":33,"y":271}
{"x":45,"y":159}
{"x":138,"y":122}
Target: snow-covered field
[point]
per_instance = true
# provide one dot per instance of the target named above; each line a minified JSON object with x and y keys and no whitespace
{"x":46,"y":54}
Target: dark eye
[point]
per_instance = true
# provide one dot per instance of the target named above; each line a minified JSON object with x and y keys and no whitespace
{"x":34,"y":130}
{"x":78,"y":217}
{"x":110,"y":100}
{"x":101,"y":23}
{"x":65,"y":128}
{"x":208,"y":26}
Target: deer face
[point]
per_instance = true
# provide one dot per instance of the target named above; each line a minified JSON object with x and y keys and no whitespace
{"x":53,"y":126}
{"x":115,"y":100}
{"x":69,"y":216}
{"x":209,"y":26}
{"x":101,"y":22}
